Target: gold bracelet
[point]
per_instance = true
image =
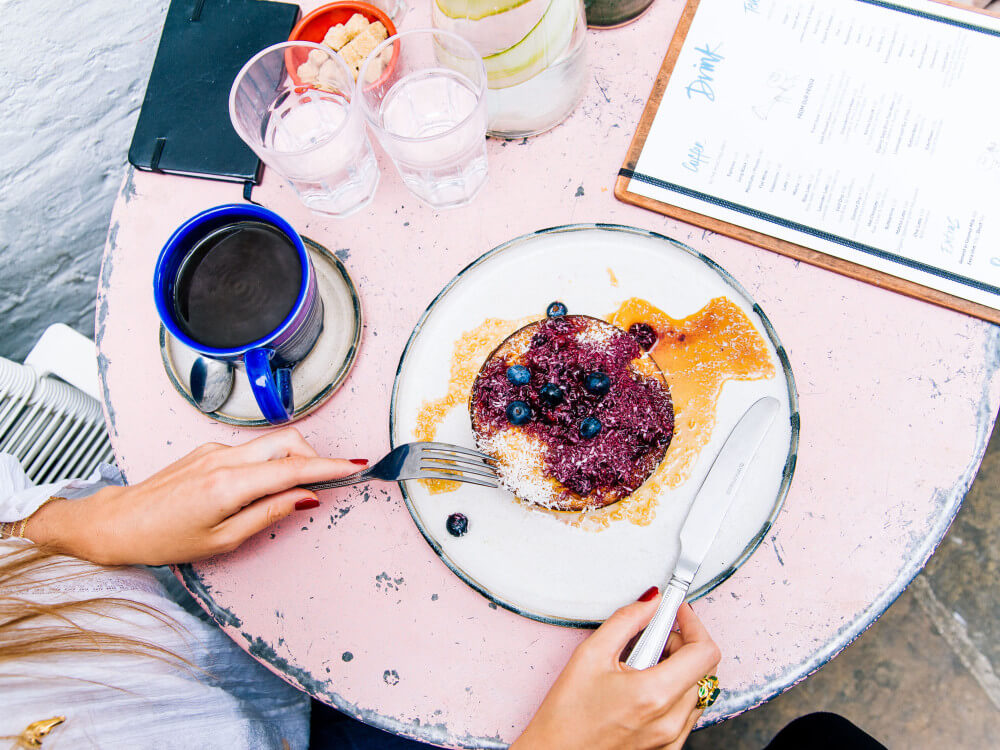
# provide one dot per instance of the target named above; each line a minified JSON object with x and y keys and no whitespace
{"x":10,"y":529}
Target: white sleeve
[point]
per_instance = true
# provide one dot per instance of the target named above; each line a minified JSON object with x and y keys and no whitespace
{"x":19,"y":498}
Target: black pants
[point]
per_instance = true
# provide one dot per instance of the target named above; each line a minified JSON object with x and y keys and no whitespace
{"x":822,"y":731}
{"x":331,"y":730}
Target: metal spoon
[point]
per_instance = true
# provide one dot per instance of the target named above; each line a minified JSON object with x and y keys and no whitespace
{"x":211,"y":383}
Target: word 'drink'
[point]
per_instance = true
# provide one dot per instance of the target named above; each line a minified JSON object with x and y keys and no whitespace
{"x":702,"y":85}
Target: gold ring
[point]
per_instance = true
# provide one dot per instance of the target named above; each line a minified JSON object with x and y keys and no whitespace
{"x":708,"y":691}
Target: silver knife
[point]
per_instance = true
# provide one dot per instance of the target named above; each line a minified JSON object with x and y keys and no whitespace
{"x":711,"y":503}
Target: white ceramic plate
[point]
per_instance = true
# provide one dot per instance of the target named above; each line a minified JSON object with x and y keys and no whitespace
{"x":529,"y":561}
{"x":315,"y":378}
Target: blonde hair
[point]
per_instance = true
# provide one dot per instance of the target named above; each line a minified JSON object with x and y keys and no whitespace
{"x":32,"y":629}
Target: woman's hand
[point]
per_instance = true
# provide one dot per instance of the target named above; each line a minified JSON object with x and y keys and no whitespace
{"x":206,"y":503}
{"x":599,"y":703}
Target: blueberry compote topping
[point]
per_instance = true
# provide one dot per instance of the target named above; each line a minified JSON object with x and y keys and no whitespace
{"x":633,"y":417}
{"x":457,"y":524}
{"x":644,"y":334}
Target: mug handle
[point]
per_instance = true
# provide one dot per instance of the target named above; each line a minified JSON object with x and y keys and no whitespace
{"x":271,"y":387}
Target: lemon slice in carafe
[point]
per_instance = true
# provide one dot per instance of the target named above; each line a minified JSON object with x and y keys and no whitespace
{"x":474,"y":10}
{"x":531,"y":53}
{"x":489,"y":32}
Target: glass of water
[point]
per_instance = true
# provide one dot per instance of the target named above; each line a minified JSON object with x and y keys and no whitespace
{"x":424,"y":94}
{"x":293,"y":104}
{"x":396,"y":9}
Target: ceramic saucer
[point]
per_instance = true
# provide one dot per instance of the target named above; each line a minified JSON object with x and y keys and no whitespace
{"x":315,"y":378}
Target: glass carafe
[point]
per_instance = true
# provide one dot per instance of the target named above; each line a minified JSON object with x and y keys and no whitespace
{"x":534,"y":56}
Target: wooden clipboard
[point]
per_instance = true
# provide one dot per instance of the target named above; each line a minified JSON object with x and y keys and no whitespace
{"x":790,"y":249}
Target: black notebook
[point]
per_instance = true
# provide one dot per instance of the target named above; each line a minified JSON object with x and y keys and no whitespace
{"x":184,"y":125}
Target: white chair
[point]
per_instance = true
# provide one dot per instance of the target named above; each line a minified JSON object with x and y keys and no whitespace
{"x":50,"y":415}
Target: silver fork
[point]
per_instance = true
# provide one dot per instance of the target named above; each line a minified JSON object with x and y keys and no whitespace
{"x":423,"y":461}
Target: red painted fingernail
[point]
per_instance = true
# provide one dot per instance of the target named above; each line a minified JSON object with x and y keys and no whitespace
{"x":650,"y":593}
{"x":307,"y":504}
{"x":358,"y":461}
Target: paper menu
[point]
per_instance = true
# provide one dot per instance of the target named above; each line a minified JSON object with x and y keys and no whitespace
{"x":867,"y":130}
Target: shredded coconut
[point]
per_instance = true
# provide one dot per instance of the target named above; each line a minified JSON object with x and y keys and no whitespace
{"x":521,"y":467}
{"x":594,"y":333}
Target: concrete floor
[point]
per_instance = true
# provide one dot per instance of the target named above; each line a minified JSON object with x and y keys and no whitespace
{"x":925,"y":675}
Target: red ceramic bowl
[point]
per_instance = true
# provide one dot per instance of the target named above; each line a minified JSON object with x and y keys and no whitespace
{"x":313,"y":28}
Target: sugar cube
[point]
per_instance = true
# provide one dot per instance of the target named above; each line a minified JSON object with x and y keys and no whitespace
{"x":355,"y":25}
{"x":336,"y":37}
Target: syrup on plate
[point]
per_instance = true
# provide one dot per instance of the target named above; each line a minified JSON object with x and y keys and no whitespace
{"x":697,"y":355}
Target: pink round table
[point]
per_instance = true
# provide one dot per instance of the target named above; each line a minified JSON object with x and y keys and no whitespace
{"x":350,"y":603}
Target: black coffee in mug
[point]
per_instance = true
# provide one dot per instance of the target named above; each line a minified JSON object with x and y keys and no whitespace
{"x":237,"y":285}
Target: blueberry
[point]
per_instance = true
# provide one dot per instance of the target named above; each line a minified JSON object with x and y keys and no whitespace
{"x":644,"y":334}
{"x":518,"y":412}
{"x":597,"y":383}
{"x":590,"y":427}
{"x":518,"y":375}
{"x":556,"y":310}
{"x":457,"y":524}
{"x":551,"y":394}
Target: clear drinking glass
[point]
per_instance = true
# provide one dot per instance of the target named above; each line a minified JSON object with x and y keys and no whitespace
{"x":396,"y":9}
{"x":424,"y":94}
{"x":292,"y":104}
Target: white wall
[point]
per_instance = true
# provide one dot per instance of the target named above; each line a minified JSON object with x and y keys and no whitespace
{"x":72,"y":78}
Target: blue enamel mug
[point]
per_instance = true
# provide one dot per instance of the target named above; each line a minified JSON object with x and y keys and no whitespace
{"x":270,"y":357}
